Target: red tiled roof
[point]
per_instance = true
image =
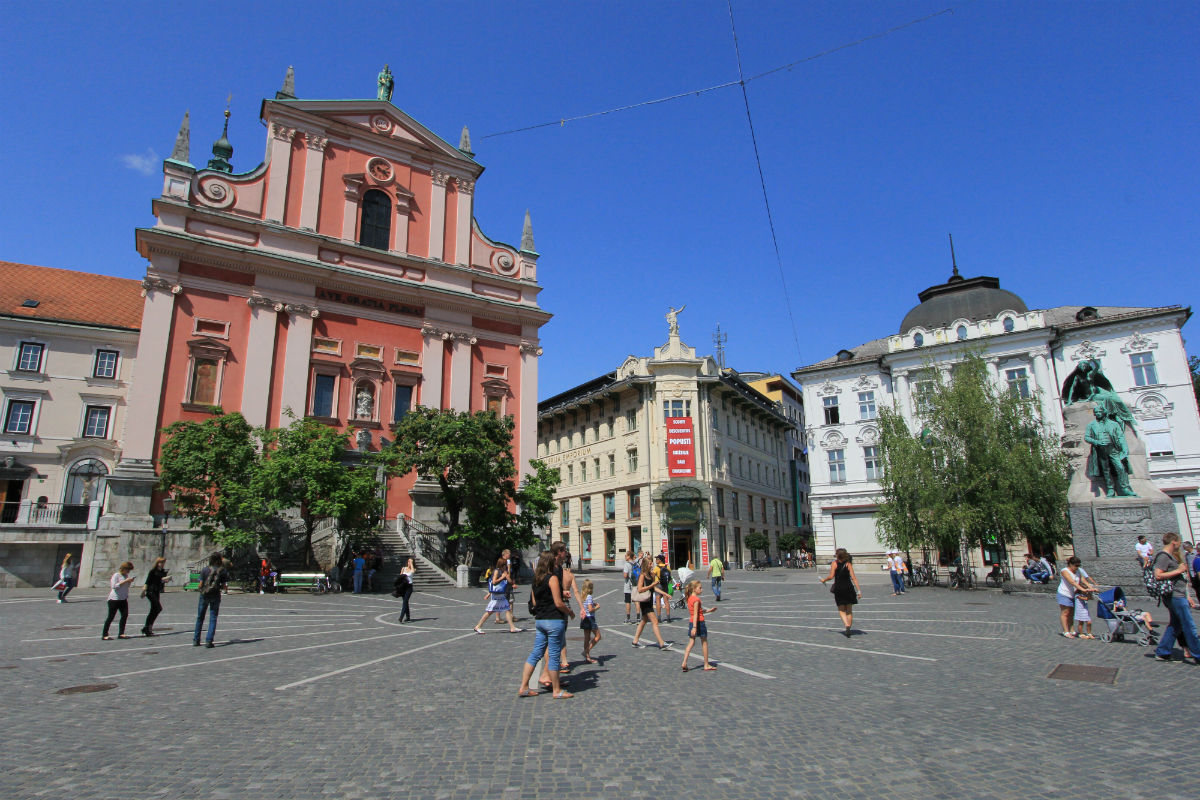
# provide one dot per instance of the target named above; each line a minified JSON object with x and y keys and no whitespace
{"x":70,"y":296}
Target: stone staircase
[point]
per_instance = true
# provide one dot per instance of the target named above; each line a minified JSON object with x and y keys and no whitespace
{"x":396,"y":551}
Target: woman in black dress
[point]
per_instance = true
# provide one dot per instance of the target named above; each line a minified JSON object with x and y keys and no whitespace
{"x":846,"y":591}
{"x":156,"y":581}
{"x":404,"y":588}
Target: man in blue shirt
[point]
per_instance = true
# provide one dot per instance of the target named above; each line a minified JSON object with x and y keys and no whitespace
{"x":360,"y":564}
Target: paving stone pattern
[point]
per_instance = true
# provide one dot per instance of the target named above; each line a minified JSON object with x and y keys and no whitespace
{"x":430,"y":710}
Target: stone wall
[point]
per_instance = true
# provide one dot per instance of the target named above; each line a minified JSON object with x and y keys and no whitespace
{"x":142,"y":546}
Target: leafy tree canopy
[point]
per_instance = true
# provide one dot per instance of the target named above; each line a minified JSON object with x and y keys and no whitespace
{"x":757,"y":541}
{"x":977,"y":467}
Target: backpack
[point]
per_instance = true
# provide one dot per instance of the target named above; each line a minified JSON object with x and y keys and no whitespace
{"x":211,"y":582}
{"x":1158,"y":589}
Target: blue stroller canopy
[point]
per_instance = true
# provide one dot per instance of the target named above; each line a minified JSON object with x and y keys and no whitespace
{"x":1107,"y":599}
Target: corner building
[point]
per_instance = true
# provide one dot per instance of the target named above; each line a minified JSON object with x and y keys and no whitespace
{"x":345,"y":278}
{"x":668,"y":453}
{"x":1029,"y":352}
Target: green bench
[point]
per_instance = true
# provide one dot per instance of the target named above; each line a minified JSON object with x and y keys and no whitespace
{"x":298,"y":580}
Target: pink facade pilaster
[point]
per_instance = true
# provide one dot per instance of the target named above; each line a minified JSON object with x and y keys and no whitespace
{"x":281,"y":162}
{"x":437,"y":215}
{"x":314,"y":168}
{"x":296,"y":358}
{"x":460,"y":372}
{"x":432,"y":348}
{"x":462,"y":247}
{"x":527,"y":438}
{"x":141,"y":419}
{"x":260,"y":358}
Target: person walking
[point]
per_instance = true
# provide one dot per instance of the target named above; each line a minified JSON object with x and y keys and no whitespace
{"x":404,"y":588}
{"x":212,"y":579}
{"x":506,"y":556}
{"x":66,"y":577}
{"x":644,"y":596}
{"x":665,"y":587}
{"x":587,"y":620}
{"x":1068,"y":588}
{"x":360,"y":564}
{"x":156,"y":583}
{"x":1167,"y":567}
{"x":498,"y":598}
{"x":628,"y":581}
{"x":846,"y":591}
{"x":551,"y":614}
{"x":716,"y":576}
{"x":696,"y":627}
{"x":118,"y":600}
{"x":895,"y":566}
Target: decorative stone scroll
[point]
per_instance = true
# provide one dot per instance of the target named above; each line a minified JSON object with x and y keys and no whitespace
{"x":1138,"y":344}
{"x":159,"y":285}
{"x":530,"y":347}
{"x":1087,"y":351}
{"x":258,"y":301}
{"x":302,"y":309}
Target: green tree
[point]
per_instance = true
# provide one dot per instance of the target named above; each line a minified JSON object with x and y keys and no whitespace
{"x":209,"y":469}
{"x":790,"y":541}
{"x":757,"y":541}
{"x":307,"y":466}
{"x":469,"y":455}
{"x":980,"y":470}
{"x":1194,"y":368}
{"x":535,"y":501}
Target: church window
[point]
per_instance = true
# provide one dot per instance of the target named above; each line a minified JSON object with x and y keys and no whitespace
{"x":375,"y":228}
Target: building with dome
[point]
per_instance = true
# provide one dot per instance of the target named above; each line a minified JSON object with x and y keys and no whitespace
{"x":1031,"y":352}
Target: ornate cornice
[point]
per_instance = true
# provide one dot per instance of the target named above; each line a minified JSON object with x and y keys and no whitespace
{"x":258,"y":301}
{"x":302,"y":309}
{"x":315,"y":142}
{"x":530,"y":347}
{"x":439,"y":178}
{"x":159,"y":285}
{"x":1087,"y":350}
{"x":1138,"y":343}
{"x":447,"y":334}
{"x":465,"y":185}
{"x":282,"y":132}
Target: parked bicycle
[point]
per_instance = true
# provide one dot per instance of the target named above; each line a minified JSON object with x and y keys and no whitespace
{"x":325,"y":585}
{"x":962,"y":578}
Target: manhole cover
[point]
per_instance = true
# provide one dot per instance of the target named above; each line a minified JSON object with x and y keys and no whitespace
{"x":87,"y":688}
{"x":66,"y":628}
{"x":1079,"y":672}
{"x":56,"y":660}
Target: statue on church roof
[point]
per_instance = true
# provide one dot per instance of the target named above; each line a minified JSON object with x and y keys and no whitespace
{"x":386,"y":84}
{"x":673,"y":319}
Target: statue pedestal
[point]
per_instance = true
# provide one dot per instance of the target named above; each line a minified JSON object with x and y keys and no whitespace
{"x":1105,"y":529}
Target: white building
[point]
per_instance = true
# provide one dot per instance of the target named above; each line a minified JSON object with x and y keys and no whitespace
{"x":68,"y":343}
{"x":667,"y":453}
{"x":1141,"y":351}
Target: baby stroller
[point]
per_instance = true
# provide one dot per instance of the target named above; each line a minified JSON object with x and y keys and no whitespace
{"x":682,"y":576}
{"x":1111,"y":608}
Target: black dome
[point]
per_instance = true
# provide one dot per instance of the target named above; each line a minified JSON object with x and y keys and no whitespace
{"x":961,"y":298}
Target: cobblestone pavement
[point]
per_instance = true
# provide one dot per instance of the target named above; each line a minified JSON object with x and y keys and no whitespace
{"x":940,"y":694}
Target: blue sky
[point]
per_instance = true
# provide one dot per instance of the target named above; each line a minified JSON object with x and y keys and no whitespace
{"x":1057,"y":142}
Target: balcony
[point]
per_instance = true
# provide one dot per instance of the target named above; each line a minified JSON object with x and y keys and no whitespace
{"x":30,"y":517}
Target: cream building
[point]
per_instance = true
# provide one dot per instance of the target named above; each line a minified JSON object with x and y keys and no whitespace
{"x":68,"y":343}
{"x":1031,"y":352}
{"x":787,"y":395}
{"x":667,"y":452}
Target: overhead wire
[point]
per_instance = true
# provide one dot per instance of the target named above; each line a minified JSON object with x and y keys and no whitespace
{"x":726,"y":85}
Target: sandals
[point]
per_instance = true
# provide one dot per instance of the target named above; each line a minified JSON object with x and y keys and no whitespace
{"x":684,"y":667}
{"x":710,"y":668}
{"x":1068,"y":635}
{"x":1086,"y":636}
{"x":527,"y":693}
{"x":563,"y":695}
{"x":478,"y":631}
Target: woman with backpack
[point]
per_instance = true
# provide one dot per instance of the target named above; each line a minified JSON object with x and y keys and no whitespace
{"x":498,"y":598}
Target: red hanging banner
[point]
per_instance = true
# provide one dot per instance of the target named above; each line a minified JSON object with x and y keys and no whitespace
{"x":681,"y":453}
{"x":704,"y":551}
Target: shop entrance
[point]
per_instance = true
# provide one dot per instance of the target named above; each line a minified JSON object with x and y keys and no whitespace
{"x":681,"y":547}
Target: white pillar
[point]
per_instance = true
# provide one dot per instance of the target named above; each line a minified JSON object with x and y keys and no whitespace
{"x":277,"y":180}
{"x":1049,"y":392}
{"x":260,"y":359}
{"x":314,"y":168}
{"x":401,"y":224}
{"x":297,"y":357}
{"x":354,"y":188}
{"x":432,"y":350}
{"x":146,"y":386}
{"x":462,"y":240}
{"x":460,"y":371}
{"x":437,"y":215}
{"x":527,"y":444}
{"x":903,"y":398}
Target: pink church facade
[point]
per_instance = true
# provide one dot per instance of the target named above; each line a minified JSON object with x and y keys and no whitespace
{"x":345,"y":278}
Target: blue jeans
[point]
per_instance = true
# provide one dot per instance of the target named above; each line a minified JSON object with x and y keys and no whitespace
{"x":358,"y":581}
{"x":551,"y":634}
{"x":716,"y":586}
{"x":212,"y":605}
{"x":1035,"y":576}
{"x":897,"y":582}
{"x":1181,"y":625}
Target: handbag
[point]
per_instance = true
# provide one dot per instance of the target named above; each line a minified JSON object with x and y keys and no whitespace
{"x":58,"y":587}
{"x":639,"y":595}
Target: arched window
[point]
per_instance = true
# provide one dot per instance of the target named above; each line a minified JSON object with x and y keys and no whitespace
{"x":1008,"y":324}
{"x":962,"y":331}
{"x":375,"y":230}
{"x":85,"y":485}
{"x":919,"y":339}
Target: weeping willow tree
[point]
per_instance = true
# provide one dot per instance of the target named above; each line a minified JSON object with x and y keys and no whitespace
{"x":974,"y":467}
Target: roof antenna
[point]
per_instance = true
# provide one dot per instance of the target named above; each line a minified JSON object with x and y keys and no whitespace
{"x":953,"y":261}
{"x":719,"y":340}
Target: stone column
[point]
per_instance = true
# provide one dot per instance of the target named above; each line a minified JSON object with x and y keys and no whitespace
{"x":296,"y":358}
{"x":314,"y":169}
{"x":260,"y":358}
{"x":903,"y":398}
{"x":432,"y":349}
{"x":401,"y":222}
{"x":460,"y":371}
{"x":354,"y":190}
{"x":1051,"y":412}
{"x":281,"y":161}
{"x":462,"y":245}
{"x":437,"y":215}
